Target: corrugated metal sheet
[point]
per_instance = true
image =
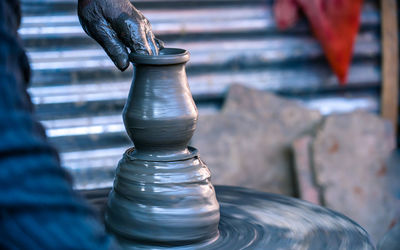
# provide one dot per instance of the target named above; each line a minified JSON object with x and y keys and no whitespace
{"x":79,"y":94}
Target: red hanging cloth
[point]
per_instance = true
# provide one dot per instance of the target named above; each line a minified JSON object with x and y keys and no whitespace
{"x":335,"y":24}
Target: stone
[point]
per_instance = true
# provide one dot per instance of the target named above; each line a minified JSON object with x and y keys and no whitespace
{"x":350,"y":155}
{"x":248,"y":143}
{"x":304,"y":172}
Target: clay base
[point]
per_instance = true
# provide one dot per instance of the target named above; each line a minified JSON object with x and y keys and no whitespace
{"x":169,"y":202}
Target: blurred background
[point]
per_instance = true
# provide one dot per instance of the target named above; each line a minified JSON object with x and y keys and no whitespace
{"x":306,"y":124}
{"x":79,"y":93}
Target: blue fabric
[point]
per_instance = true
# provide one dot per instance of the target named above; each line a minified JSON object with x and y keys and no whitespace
{"x":38,"y":208}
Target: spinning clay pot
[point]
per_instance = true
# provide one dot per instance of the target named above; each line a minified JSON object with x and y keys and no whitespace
{"x":162,"y":190}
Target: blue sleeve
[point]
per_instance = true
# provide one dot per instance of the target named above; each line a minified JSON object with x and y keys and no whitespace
{"x":38,"y":208}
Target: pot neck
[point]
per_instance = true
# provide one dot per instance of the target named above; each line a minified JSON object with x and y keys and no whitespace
{"x":166,"y":56}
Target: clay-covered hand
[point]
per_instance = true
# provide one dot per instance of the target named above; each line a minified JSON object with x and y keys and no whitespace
{"x":117,"y":25}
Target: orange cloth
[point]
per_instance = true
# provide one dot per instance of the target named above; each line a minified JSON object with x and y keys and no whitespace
{"x":335,"y":24}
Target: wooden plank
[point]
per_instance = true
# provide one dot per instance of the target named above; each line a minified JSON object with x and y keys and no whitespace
{"x":390,"y":62}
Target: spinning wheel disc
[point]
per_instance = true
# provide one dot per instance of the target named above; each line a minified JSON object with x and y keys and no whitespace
{"x":256,"y":220}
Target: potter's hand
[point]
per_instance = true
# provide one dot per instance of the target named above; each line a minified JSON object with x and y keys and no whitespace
{"x":117,"y":25}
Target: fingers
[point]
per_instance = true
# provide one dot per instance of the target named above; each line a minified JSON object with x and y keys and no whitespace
{"x":135,"y":32}
{"x":108,"y":39}
{"x":138,"y":41}
{"x":152,"y":43}
{"x":160,"y":43}
{"x":155,"y":44}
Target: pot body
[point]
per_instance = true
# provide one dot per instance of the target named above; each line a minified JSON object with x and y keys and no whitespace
{"x":160,"y":115}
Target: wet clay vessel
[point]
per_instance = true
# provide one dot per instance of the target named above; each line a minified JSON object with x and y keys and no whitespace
{"x":162,"y":190}
{"x":160,"y":115}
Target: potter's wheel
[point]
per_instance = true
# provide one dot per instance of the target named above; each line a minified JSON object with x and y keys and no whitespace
{"x":162,"y":197}
{"x":256,"y":220}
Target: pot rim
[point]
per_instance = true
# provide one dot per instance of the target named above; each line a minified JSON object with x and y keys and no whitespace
{"x":166,"y":56}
